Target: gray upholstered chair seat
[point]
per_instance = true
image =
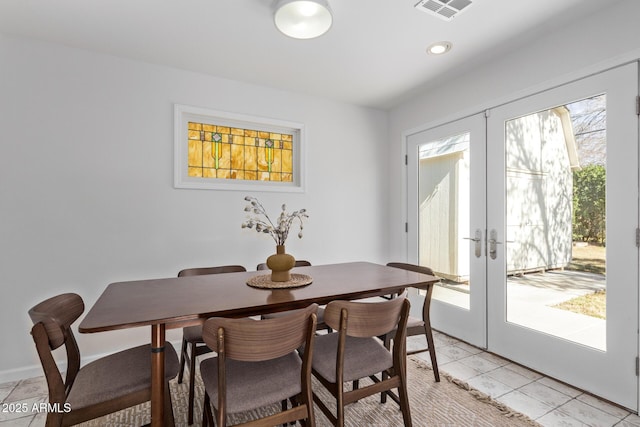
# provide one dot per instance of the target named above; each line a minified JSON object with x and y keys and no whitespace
{"x":362,"y":357}
{"x":118,"y":375}
{"x":414,"y":322}
{"x":275,"y":380}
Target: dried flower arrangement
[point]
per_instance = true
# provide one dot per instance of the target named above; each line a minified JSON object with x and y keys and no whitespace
{"x":279,"y":231}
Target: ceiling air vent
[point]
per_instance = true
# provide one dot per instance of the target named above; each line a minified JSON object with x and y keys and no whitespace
{"x":444,"y":9}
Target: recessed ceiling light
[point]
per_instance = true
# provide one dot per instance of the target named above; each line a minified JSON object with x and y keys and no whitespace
{"x":439,"y":48}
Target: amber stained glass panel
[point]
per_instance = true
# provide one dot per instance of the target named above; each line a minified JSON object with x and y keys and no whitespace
{"x":225,"y":152}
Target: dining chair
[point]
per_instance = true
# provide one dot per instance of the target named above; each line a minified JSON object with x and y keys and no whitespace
{"x":354,"y":352}
{"x":419,"y":326}
{"x":106,"y":385}
{"x":299,"y":263}
{"x":192,"y":343}
{"x":257,"y":365}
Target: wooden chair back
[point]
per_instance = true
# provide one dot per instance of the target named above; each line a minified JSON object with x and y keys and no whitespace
{"x":253,"y":340}
{"x":412,"y":267}
{"x":57,"y":314}
{"x":211,"y":270}
{"x":51,"y":329}
{"x":250,"y":340}
{"x":366,"y":319}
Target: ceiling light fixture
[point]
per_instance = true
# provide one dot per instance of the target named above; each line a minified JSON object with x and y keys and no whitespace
{"x":302,"y":19}
{"x":439,"y":48}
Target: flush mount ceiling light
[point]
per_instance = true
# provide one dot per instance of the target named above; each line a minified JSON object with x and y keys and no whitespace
{"x":302,"y":19}
{"x":439,"y":48}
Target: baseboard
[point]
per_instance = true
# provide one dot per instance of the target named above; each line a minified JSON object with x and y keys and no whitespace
{"x":23,"y":373}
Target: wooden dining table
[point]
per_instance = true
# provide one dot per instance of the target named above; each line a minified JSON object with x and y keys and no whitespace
{"x":177,"y":302}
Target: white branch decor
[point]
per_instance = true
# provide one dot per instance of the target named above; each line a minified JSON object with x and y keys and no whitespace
{"x":263,"y":224}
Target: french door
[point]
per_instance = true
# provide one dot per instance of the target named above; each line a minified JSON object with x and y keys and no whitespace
{"x":447,"y":215}
{"x":545,"y":215}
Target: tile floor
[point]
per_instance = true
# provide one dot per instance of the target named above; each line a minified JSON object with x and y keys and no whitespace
{"x":548,"y":402}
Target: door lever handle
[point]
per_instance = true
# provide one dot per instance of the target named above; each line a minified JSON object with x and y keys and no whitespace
{"x":478,"y":242}
{"x":493,"y":242}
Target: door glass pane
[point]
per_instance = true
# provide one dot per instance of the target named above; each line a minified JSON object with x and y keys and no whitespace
{"x":443,"y":216}
{"x":555,"y":221}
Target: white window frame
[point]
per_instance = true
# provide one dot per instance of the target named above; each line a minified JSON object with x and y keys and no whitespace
{"x":183,"y":114}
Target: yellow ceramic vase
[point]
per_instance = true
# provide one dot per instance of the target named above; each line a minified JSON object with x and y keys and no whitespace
{"x":281,"y":264}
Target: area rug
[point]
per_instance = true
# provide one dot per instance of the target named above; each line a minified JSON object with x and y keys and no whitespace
{"x":447,"y":403}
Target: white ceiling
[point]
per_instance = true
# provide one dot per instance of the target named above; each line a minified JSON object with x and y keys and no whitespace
{"x":374,"y":55}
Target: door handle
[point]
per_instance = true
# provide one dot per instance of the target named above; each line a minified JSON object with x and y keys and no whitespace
{"x":493,"y":242}
{"x":478,"y":241}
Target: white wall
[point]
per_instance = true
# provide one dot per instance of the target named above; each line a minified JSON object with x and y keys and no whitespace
{"x":86,"y":184}
{"x":590,"y":45}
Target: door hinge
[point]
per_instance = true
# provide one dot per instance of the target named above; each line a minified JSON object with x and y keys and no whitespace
{"x":406,"y":159}
{"x":406,"y":227}
{"x":638,"y":105}
{"x":638,"y":237}
{"x":637,"y":366}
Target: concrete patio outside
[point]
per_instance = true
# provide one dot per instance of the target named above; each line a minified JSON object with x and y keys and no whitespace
{"x":531,"y":298}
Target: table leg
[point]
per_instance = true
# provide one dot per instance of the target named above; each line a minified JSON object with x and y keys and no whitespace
{"x":157,"y":374}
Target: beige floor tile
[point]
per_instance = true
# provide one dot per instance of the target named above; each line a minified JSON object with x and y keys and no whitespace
{"x":6,"y":389}
{"x":20,"y":422}
{"x":610,"y":409}
{"x":482,"y":364}
{"x":509,"y":377}
{"x":588,"y":414}
{"x":451,"y":353}
{"x":562,"y":388}
{"x":444,"y":340}
{"x":527,"y":405}
{"x":556,"y":418}
{"x":631,"y":420}
{"x":39,"y":420}
{"x":28,"y":388}
{"x":489,"y":385}
{"x":545,"y":394}
{"x":523,"y":371}
{"x":459,"y":370}
{"x":493,"y":358}
{"x":15,"y":410}
{"x":469,"y":348}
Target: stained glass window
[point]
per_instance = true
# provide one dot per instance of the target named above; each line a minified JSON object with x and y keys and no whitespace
{"x":221,"y":150}
{"x":225,"y":152}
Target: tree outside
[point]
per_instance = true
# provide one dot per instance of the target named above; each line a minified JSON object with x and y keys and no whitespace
{"x":588,"y":119}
